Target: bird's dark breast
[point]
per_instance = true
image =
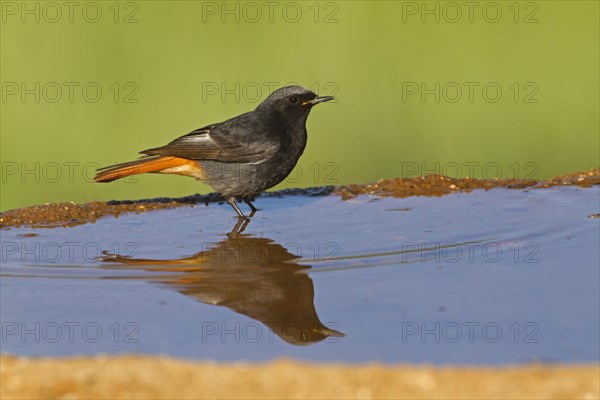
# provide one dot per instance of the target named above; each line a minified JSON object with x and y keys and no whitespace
{"x":250,"y":179}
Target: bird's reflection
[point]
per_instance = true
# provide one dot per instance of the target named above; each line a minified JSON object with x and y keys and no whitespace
{"x":252,"y":276}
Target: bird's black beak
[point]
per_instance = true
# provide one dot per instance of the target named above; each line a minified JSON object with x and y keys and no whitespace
{"x":317,"y":100}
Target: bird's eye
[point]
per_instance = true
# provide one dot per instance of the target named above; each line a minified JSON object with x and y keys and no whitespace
{"x":293,"y":99}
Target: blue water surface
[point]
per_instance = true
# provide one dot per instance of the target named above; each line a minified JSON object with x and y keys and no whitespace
{"x":487,"y":277}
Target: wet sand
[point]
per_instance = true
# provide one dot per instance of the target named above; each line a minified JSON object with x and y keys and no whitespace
{"x":72,"y":214}
{"x":144,"y":377}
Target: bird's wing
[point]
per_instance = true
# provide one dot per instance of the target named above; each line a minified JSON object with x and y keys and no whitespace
{"x":240,"y":140}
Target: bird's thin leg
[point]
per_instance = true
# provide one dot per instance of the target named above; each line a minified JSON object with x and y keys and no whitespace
{"x":247,"y":201}
{"x":231,"y":201}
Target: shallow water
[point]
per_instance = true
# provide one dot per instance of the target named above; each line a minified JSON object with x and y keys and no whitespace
{"x":495,"y":277}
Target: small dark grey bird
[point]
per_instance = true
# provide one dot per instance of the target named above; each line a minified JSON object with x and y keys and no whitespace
{"x":240,"y":157}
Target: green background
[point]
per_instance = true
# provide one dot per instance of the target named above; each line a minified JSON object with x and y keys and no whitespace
{"x":370,"y":54}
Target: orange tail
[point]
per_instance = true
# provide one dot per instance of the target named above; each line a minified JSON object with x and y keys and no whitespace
{"x":156,"y":164}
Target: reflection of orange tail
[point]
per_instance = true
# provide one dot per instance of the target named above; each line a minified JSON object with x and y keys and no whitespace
{"x":156,"y":164}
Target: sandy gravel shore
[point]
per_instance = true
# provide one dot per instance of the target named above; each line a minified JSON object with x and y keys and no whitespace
{"x":71,"y":214}
{"x":144,"y":377}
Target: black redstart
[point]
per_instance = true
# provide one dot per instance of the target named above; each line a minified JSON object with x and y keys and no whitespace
{"x":240,"y":157}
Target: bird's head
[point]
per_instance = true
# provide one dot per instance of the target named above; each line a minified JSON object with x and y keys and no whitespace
{"x":294,"y":102}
